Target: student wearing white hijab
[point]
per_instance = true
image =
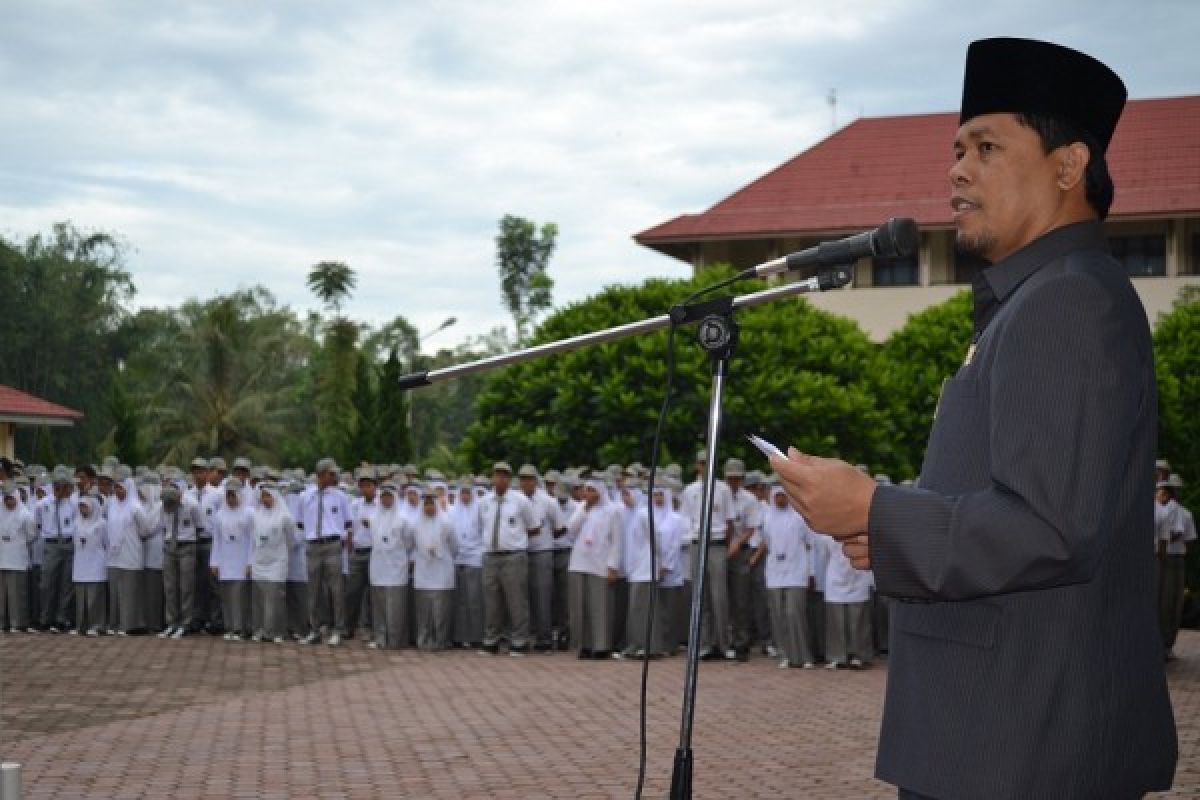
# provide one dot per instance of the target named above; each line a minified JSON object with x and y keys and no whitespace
{"x":296,"y":592}
{"x":232,"y":542}
{"x":90,"y":567}
{"x":468,"y":569}
{"x":389,"y":572}
{"x":786,"y":543}
{"x":668,"y":528}
{"x":274,"y":534}
{"x":847,"y":609}
{"x":17,"y":532}
{"x":434,"y":547}
{"x":127,"y":528}
{"x":595,"y":564}
{"x":153,"y":596}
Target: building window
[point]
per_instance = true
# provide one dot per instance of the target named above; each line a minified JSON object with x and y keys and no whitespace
{"x":967,"y":266}
{"x":894,"y":271}
{"x":1142,"y":256}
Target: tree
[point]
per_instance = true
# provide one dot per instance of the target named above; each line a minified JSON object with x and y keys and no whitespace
{"x":365,"y":444}
{"x":126,"y":432}
{"x":391,"y":422}
{"x":915,"y":360}
{"x":1177,"y":365}
{"x":799,"y":377}
{"x":332,"y":282}
{"x":63,"y":295}
{"x":522,"y":257}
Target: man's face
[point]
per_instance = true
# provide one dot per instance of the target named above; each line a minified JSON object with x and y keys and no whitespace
{"x":62,"y":491}
{"x":106,"y":487}
{"x":465,"y":494}
{"x":83,"y":481}
{"x":388,"y":500}
{"x":734,"y":481}
{"x":367,"y":488}
{"x":242,"y":474}
{"x":700,"y":470}
{"x":528,"y":485}
{"x":85,"y":510}
{"x":577,"y":493}
{"x":216,"y":477}
{"x":10,"y":501}
{"x":199,"y":476}
{"x":501,"y":481}
{"x":1162,"y":496}
{"x":327,"y":478}
{"x":429,"y":506}
{"x":1004,"y":186}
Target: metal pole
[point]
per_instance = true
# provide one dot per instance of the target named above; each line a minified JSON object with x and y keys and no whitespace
{"x":10,"y":781}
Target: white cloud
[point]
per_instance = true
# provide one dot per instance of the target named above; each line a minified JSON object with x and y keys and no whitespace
{"x":235,"y":144}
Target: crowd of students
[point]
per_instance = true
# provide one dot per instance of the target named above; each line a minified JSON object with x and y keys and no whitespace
{"x":560,"y":561}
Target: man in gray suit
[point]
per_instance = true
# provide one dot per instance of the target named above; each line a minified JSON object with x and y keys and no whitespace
{"x":1035,"y":513}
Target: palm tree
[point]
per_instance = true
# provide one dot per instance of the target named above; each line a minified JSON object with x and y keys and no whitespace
{"x":332,"y":281}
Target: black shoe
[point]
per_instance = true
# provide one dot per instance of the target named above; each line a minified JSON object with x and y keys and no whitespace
{"x":563,"y":644}
{"x":488,"y":649}
{"x":542,"y":647}
{"x":710,"y":655}
{"x":585,"y":654}
{"x":602,"y":655}
{"x":518,"y":651}
{"x":743,"y":654}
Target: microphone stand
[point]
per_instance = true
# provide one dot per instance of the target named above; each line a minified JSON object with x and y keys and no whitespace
{"x":717,"y":333}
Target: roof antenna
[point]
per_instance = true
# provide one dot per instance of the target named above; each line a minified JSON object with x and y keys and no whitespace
{"x":831,"y":98}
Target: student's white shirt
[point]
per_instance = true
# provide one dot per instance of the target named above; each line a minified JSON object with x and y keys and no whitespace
{"x":638,"y":537}
{"x":843,"y":583}
{"x":364,"y":521}
{"x":17,"y":532}
{"x":126,"y":525}
{"x":152,"y":545}
{"x":598,"y":534}
{"x":747,"y":512}
{"x":514,"y":520}
{"x":232,"y":540}
{"x":669,"y":528}
{"x":434,"y":547}
{"x":337,"y":515}
{"x":297,"y":557}
{"x":1171,"y":520}
{"x":722,"y":513}
{"x":209,"y":501}
{"x":469,"y":533}
{"x":191,"y":521}
{"x":91,"y":549}
{"x":390,"y":555}
{"x":789,"y":544}
{"x":45,"y":512}
{"x":546,"y":515}
{"x":274,"y":534}
{"x":566,"y":509}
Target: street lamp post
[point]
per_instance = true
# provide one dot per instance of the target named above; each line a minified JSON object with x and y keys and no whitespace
{"x":412,"y":363}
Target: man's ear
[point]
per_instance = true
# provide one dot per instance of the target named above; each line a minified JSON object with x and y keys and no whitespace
{"x":1073,"y":160}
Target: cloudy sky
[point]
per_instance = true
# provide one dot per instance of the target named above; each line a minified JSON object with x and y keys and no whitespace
{"x":235,"y":143}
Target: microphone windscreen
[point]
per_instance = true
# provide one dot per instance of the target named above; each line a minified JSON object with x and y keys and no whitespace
{"x":897,"y":238}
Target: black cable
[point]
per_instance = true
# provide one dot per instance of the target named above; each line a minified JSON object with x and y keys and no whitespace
{"x":656,"y":446}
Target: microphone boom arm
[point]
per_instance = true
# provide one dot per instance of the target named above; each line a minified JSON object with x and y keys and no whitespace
{"x":833,"y":278}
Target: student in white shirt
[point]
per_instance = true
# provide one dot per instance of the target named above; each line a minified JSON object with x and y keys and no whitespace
{"x":668,"y":528}
{"x":434,"y":547}
{"x":847,"y":608}
{"x":468,"y":569}
{"x":716,"y":635}
{"x":389,"y":572}
{"x":57,"y":523}
{"x":296,"y":591}
{"x":595,"y":565}
{"x":274,"y":534}
{"x":149,"y":493}
{"x":232,"y":542}
{"x":127,"y":527}
{"x":541,"y":557}
{"x":1172,"y":529}
{"x":327,"y":520}
{"x":17,"y":532}
{"x":507,"y":520}
{"x":786,"y":543}
{"x":358,"y":597}
{"x":89,"y":570}
{"x":179,"y":526}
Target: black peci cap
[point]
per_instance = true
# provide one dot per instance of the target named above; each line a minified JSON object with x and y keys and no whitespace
{"x":1025,"y":75}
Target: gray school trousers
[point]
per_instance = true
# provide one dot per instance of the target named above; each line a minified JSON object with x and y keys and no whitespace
{"x":235,"y":602}
{"x":541,"y":595}
{"x":297,"y":607}
{"x":506,"y":590}
{"x":124,"y":599}
{"x":435,"y":617}
{"x":324,"y":562}
{"x":269,"y":613}
{"x":558,"y":612}
{"x":179,"y":583}
{"x":635,"y":624}
{"x":358,"y":596}
{"x":468,"y":604}
{"x":14,"y":598}
{"x":91,"y":606}
{"x":58,"y":590}
{"x":715,"y":629}
{"x":389,"y":616}
{"x":589,"y":603}
{"x":848,"y":632}
{"x":152,"y":599}
{"x":789,"y":623}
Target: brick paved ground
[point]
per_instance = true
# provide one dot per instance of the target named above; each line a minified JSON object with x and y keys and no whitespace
{"x":140,"y":717}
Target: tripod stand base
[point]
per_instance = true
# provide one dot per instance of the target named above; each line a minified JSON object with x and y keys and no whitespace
{"x":681,"y":777}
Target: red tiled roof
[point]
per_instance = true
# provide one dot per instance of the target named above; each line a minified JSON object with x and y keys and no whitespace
{"x":17,"y":403}
{"x":885,"y":167}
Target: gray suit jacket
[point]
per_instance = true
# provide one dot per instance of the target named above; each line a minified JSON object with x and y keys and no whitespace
{"x":1025,"y":659}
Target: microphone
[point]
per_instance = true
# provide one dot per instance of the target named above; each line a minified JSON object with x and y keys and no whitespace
{"x":895,"y":238}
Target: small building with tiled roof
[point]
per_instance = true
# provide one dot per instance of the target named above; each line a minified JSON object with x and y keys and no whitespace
{"x":877,"y":168}
{"x":20,"y":408}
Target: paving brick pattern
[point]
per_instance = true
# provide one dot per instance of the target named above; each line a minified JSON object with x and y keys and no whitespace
{"x":139,"y":717}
